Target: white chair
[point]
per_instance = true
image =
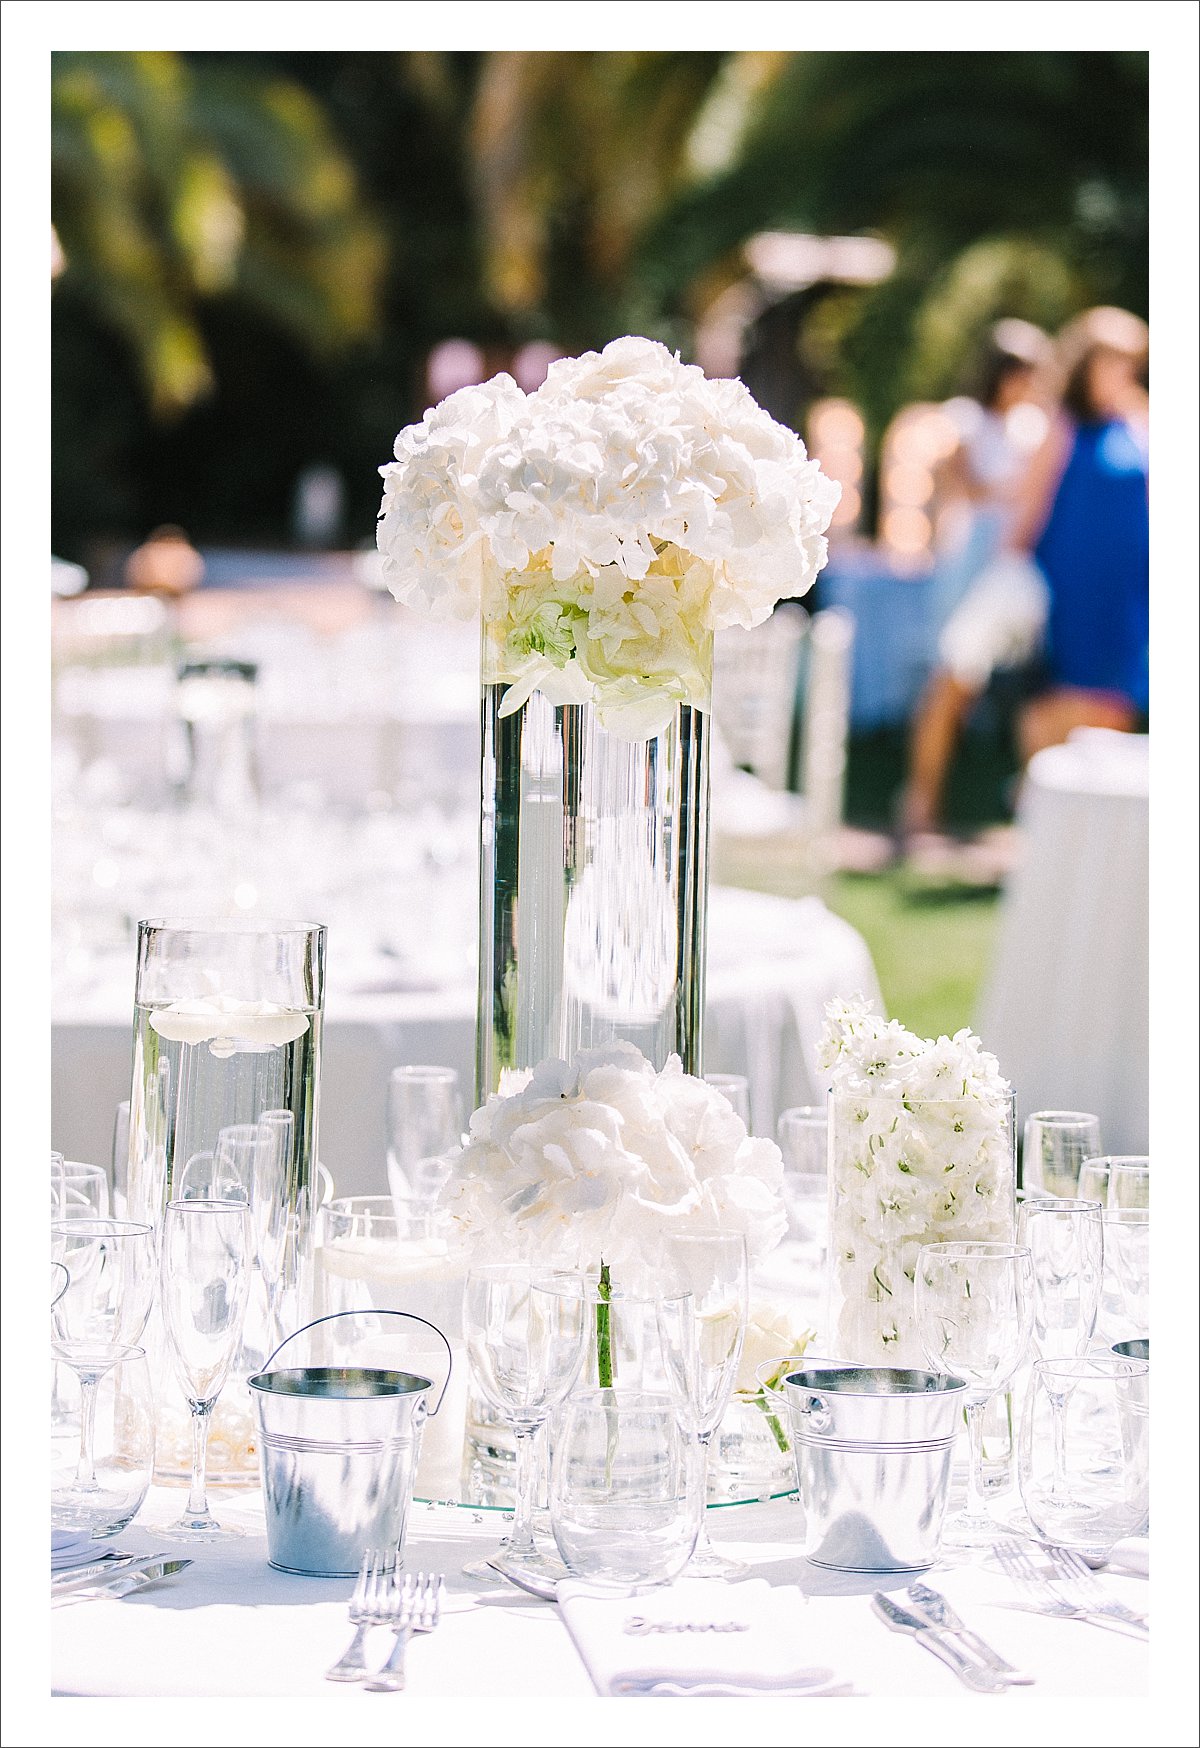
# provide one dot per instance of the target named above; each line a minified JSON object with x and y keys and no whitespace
{"x":763,"y":835}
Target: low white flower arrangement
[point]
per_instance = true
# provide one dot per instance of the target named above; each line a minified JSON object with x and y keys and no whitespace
{"x":597,"y":1163}
{"x":605,"y":525}
{"x":922,"y":1153}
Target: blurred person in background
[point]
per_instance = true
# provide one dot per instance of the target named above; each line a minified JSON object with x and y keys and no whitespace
{"x":165,"y":564}
{"x":991,"y":604}
{"x":1086,"y":519}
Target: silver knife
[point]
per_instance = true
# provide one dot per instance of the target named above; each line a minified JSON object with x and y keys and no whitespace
{"x":125,"y":1583}
{"x":933,"y":1608}
{"x":101,"y":1567}
{"x":967,"y":1668}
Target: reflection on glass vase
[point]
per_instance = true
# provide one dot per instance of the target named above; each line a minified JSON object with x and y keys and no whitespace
{"x":226,"y":1075}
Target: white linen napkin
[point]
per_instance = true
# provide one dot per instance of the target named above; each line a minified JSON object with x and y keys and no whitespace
{"x":1131,"y":1555}
{"x":695,"y":1637}
{"x":72,"y":1548}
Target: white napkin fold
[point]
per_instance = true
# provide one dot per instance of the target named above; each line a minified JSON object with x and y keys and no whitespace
{"x":1131,"y":1555}
{"x":698,"y":1636}
{"x":72,"y":1548}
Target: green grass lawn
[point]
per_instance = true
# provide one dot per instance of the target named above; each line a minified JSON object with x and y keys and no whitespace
{"x":931,"y":945}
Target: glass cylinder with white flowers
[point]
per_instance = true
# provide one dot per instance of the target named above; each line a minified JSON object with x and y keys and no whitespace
{"x":921,"y":1151}
{"x":604,"y":528}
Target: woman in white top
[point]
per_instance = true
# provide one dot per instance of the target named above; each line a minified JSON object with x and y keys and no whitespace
{"x":991,"y":607}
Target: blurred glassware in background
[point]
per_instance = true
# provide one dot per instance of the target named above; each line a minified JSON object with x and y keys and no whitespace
{"x":736,"y":1088}
{"x":803,"y":1136}
{"x":120,"y":1159}
{"x":1129,"y":1182}
{"x":77,"y":1187}
{"x":1092,"y":1414}
{"x":425,"y":1124}
{"x":1126,"y":1301}
{"x":1054,"y":1147}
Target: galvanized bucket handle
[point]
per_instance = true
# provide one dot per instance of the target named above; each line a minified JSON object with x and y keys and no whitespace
{"x":816,"y":1413}
{"x":411,"y":1317}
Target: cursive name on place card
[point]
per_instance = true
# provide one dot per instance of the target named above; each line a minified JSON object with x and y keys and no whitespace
{"x":639,"y":1624}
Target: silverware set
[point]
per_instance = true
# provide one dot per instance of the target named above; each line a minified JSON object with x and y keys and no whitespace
{"x":1071,"y":1592}
{"x":927,"y":1615}
{"x":413,"y":1605}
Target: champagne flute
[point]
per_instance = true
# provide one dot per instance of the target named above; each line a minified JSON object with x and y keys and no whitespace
{"x":1066,"y":1245}
{"x":713,"y":1267}
{"x":101,"y":1311}
{"x":974,"y":1307}
{"x":425,"y":1123}
{"x":205,"y":1279}
{"x":526,"y":1334}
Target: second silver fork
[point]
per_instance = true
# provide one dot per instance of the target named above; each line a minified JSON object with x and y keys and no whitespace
{"x":420,"y":1611}
{"x":1077,"y":1579}
{"x":369,"y":1604}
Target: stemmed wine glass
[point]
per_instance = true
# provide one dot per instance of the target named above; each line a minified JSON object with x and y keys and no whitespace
{"x":713,"y":1267}
{"x":205,"y":1280}
{"x":101,"y":1311}
{"x":974,"y":1306}
{"x":1066,"y":1246}
{"x":526,"y":1333}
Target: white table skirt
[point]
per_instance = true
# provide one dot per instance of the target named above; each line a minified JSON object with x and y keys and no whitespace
{"x":1066,"y":1008}
{"x":232,"y":1626}
{"x":773,"y":965}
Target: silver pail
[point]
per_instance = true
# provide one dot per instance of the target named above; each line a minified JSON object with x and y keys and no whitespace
{"x":873,"y":1448}
{"x":338,"y":1448}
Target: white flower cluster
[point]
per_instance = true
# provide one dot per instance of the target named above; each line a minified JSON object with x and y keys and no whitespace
{"x":607,"y":525}
{"x":605,"y":1159}
{"x":922,"y":1153}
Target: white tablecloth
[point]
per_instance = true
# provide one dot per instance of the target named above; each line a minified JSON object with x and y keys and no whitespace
{"x":1066,"y":1006}
{"x":232,"y":1626}
{"x":773,"y":964}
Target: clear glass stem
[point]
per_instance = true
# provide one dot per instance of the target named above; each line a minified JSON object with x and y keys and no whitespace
{"x":85,"y":1474}
{"x":197,"y":1492}
{"x":976,"y":1498}
{"x":703,"y":1543}
{"x":520,"y":1537}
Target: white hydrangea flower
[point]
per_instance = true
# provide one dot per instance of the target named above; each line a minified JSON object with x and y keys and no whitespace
{"x":607,"y":525}
{"x":605,"y":1159}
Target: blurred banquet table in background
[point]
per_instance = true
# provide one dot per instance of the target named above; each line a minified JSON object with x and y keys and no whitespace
{"x":1066,"y":1007}
{"x":312,"y":752}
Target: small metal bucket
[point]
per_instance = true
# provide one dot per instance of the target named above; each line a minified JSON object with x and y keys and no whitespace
{"x":873,"y":1448}
{"x":338,"y":1450}
{"x":1137,"y":1349}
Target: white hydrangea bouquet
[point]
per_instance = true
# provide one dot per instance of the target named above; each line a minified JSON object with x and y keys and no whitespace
{"x":605,"y":526}
{"x":921,"y":1152}
{"x":597,"y":1163}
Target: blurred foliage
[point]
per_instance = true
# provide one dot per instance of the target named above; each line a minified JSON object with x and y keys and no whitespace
{"x":261,"y":248}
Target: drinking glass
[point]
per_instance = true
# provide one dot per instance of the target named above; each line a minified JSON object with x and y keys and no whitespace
{"x":1127,"y":1271}
{"x":526,"y":1334}
{"x":713,"y":1267}
{"x":736,"y":1088}
{"x":78,"y":1188}
{"x":205,"y":1280}
{"x":1129,"y":1182}
{"x":1105,"y":1445}
{"x":1055,"y":1145}
{"x":974,"y":1309}
{"x":803,"y":1137}
{"x":425,"y":1123}
{"x":122,"y":1419}
{"x":626,"y":1489}
{"x":103,"y":1309}
{"x":1094,"y":1176}
{"x":1066,"y":1243}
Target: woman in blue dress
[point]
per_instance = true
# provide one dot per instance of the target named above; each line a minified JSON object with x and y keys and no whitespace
{"x":1086,"y":521}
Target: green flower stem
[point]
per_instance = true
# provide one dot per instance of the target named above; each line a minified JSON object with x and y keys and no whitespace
{"x":604,"y":1364}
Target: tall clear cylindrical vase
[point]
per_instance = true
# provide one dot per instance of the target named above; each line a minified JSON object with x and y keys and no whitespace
{"x":224,"y":1102}
{"x":593,"y":886}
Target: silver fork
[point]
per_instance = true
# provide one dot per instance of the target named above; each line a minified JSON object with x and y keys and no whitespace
{"x":367,"y":1605}
{"x":1041,"y":1591}
{"x":1077,"y":1577}
{"x":420,"y":1611}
